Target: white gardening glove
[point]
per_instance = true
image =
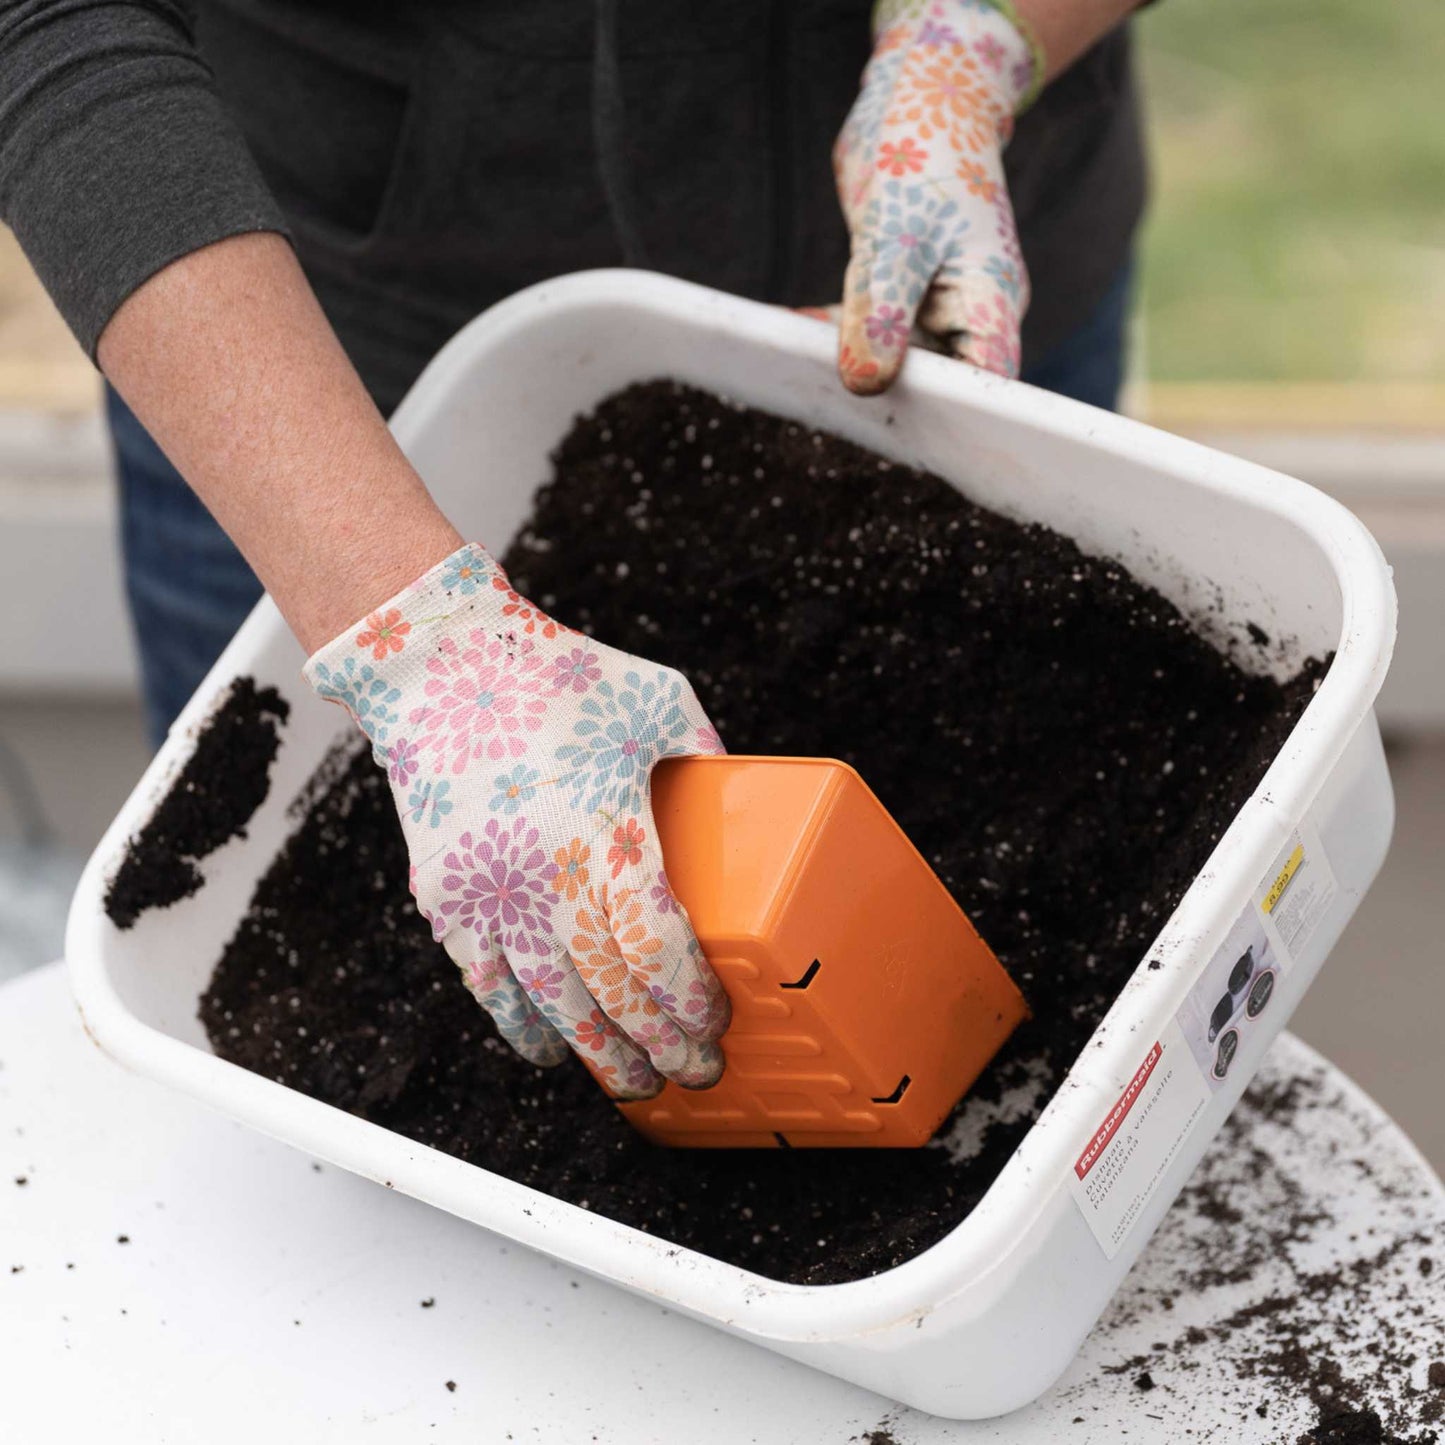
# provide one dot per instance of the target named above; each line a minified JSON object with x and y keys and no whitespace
{"x":520,"y":755}
{"x":920,"y":175}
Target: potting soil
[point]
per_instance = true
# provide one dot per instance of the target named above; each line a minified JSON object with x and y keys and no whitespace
{"x":222,"y":784}
{"x":1056,"y":738}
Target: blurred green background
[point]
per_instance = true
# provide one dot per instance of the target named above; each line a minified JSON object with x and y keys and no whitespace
{"x":1298,"y":226}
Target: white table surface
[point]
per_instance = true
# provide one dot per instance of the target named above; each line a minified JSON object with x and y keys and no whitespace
{"x":261,"y":1300}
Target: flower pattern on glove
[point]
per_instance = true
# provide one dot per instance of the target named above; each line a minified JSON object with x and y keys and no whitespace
{"x":402,"y":762}
{"x":385,"y":633}
{"x":626,"y":849}
{"x":920,"y":176}
{"x":639,"y":945}
{"x":622,"y":733}
{"x":463,"y":574}
{"x":576,"y":671}
{"x":572,"y":872}
{"x":429,"y":803}
{"x":518,"y":610}
{"x":498,"y":884}
{"x":483,"y":697}
{"x":596,"y":952}
{"x":515,"y":788}
{"x":365,"y":694}
{"x":520,"y":756}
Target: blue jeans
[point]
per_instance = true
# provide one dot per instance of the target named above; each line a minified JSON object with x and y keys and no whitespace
{"x":1088,"y":365}
{"x":190,"y":589}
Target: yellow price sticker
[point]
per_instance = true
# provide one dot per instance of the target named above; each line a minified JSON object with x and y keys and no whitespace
{"x":1276,"y":891}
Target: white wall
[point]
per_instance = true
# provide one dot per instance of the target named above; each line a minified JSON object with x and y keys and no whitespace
{"x":67,"y":630}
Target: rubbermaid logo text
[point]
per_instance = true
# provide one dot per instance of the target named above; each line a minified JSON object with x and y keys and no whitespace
{"x":1117,"y":1114}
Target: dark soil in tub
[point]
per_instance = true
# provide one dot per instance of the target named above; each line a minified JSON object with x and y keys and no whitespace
{"x":223,"y":782}
{"x":1052,"y":734}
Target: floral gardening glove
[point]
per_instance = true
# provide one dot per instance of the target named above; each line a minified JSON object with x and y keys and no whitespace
{"x":520,"y":756}
{"x":920,"y":175}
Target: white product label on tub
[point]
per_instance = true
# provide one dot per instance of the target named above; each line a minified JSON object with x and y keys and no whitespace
{"x":1234,"y":993}
{"x":1135,"y":1143}
{"x":1235,"y":988}
{"x":1296,"y":893}
{"x":1131,"y":1151}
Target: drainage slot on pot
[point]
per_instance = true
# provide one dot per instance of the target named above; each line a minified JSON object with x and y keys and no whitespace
{"x":807,"y":978}
{"x":897,"y":1095}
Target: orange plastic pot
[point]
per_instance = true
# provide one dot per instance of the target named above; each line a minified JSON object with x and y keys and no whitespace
{"x":864,"y":1003}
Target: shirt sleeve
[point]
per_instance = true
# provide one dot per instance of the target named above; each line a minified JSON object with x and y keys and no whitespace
{"x":117,"y":155}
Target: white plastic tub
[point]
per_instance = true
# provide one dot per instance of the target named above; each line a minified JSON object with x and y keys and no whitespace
{"x":987,"y":1318}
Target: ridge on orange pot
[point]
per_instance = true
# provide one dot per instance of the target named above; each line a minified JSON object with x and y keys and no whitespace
{"x":864,"y":1003}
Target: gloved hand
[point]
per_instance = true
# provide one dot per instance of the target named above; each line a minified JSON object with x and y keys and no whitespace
{"x":920,"y":175}
{"x":520,"y":755}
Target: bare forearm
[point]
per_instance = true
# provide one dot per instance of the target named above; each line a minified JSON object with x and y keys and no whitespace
{"x":1067,"y":28}
{"x":228,"y":361}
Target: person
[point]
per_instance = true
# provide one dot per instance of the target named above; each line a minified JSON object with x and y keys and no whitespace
{"x":261,"y":220}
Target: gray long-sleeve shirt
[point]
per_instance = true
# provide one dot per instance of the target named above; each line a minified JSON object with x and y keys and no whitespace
{"x":429,"y":158}
{"x":116,"y":154}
